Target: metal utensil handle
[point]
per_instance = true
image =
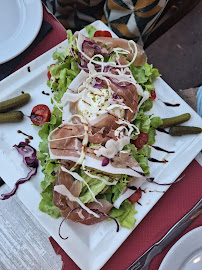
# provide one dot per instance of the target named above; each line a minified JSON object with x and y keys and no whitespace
{"x":180,"y":226}
{"x":144,"y":261}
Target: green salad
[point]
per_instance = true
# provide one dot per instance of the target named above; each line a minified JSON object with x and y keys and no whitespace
{"x":132,"y":136}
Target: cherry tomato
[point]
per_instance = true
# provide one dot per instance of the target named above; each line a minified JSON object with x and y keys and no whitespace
{"x":136,"y":196}
{"x":40,"y":114}
{"x":153,"y":95}
{"x":141,"y":140}
{"x":102,"y":34}
{"x":49,"y":74}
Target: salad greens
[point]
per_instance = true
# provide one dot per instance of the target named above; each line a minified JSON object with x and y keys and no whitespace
{"x":64,"y":71}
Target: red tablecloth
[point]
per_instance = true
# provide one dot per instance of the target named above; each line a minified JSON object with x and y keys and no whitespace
{"x":175,"y":203}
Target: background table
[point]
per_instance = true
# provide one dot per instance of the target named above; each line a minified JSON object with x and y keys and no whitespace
{"x":179,"y":199}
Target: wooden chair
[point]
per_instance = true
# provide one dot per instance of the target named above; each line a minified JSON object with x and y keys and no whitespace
{"x":173,"y":13}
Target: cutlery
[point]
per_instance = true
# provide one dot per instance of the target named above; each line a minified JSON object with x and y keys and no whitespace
{"x":144,"y":261}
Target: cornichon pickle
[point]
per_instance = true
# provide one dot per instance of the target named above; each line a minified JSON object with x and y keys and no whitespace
{"x":183,"y":130}
{"x":173,"y":121}
{"x":11,"y":117}
{"x":14,"y":103}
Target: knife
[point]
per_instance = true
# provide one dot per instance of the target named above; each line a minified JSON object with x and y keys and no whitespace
{"x":144,"y":261}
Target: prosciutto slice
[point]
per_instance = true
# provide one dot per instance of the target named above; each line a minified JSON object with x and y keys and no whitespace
{"x":116,"y":43}
{"x":67,"y":180}
{"x":84,"y":217}
{"x":65,"y":205}
{"x":61,"y":146}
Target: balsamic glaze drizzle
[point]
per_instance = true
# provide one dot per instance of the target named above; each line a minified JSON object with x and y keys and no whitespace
{"x":29,"y":137}
{"x":162,"y":130}
{"x":171,"y":105}
{"x":156,"y":160}
{"x":161,"y":149}
{"x":47,"y":94}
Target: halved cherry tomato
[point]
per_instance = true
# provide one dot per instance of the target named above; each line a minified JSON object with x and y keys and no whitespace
{"x":102,"y":34}
{"x":40,"y":114}
{"x":153,"y":95}
{"x":141,"y":140}
{"x":49,"y":74}
{"x":136,"y":196}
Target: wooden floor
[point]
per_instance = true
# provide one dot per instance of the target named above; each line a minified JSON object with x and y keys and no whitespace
{"x":178,"y":53}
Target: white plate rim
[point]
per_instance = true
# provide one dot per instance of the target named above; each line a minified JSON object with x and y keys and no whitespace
{"x":184,"y":240}
{"x":36,"y":9}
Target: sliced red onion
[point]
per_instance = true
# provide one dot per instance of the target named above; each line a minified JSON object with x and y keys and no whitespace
{"x":105,"y":162}
{"x":115,"y":96}
{"x":82,"y":58}
{"x":30,"y":160}
{"x":107,"y":68}
{"x":84,"y":66}
{"x":98,"y":83}
{"x":98,"y":49}
{"x":79,"y":65}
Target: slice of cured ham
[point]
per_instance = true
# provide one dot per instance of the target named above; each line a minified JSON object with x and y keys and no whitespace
{"x":74,"y":187}
{"x":115,"y":43}
{"x":84,"y":217}
{"x":65,"y":148}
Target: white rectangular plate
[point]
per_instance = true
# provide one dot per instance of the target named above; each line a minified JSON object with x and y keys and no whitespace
{"x":89,"y":246}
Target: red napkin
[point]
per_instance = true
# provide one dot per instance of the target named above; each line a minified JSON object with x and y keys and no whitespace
{"x":174,"y":204}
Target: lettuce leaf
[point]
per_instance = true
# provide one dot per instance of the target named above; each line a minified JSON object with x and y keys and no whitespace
{"x":59,"y":55}
{"x":99,"y":187}
{"x":142,"y":121}
{"x":140,"y":156}
{"x":125,"y":214}
{"x":152,"y":133}
{"x":144,"y":75}
{"x":90,"y":30}
{"x":156,"y":122}
{"x":46,"y":205}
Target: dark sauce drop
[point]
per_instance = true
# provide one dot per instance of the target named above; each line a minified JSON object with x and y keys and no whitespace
{"x":171,"y":105}
{"x":157,"y":191}
{"x":151,"y":180}
{"x":22,"y":92}
{"x":132,"y":187}
{"x":161,"y":149}
{"x":28,"y":68}
{"x":29,"y":137}
{"x":162,"y":130}
{"x":141,"y":173}
{"x":156,"y":160}
{"x":44,"y":93}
